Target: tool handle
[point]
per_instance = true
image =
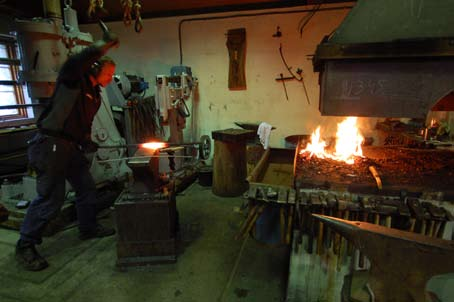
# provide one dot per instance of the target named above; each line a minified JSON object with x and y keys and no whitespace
{"x":376,"y":176}
{"x":103,"y":26}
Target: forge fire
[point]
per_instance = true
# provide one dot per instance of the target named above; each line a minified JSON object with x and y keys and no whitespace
{"x":347,"y":146}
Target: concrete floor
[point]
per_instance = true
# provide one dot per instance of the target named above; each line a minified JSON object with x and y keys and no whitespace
{"x":211,"y":266}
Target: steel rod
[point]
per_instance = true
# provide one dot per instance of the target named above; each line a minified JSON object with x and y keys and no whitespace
{"x":143,"y":157}
{"x":20,"y":106}
{"x":138,"y":145}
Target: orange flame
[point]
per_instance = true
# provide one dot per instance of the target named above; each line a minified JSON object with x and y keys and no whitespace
{"x":348,"y":143}
{"x":153,"y":145}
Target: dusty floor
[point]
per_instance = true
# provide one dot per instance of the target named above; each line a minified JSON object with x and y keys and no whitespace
{"x":211,"y":265}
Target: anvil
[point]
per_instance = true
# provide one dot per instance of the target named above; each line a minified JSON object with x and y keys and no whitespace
{"x":401,"y":262}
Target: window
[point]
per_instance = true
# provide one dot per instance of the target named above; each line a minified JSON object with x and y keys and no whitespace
{"x":11,"y":92}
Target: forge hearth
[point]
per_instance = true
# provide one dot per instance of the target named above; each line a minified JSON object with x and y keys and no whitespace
{"x":416,"y":171}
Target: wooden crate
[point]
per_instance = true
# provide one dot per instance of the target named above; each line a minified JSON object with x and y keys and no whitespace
{"x":275,"y":168}
{"x":271,"y":196}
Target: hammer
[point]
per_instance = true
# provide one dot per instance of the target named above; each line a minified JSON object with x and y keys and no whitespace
{"x":103,"y":26}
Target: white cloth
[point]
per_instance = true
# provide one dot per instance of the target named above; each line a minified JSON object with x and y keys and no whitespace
{"x":264,"y":132}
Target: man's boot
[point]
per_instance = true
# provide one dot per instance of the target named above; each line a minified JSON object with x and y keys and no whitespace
{"x":29,"y":258}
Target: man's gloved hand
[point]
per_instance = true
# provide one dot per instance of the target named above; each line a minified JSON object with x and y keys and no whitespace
{"x":90,"y":146}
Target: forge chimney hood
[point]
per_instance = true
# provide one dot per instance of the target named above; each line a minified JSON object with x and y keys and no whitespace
{"x":388,"y":58}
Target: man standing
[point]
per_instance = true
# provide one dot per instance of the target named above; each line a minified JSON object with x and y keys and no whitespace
{"x":56,"y":153}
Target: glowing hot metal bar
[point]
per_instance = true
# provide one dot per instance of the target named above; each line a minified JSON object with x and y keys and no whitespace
{"x":149,"y":145}
{"x":144,"y":157}
{"x":204,"y":146}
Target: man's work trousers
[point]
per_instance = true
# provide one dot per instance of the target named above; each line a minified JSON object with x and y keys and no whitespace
{"x":56,"y":160}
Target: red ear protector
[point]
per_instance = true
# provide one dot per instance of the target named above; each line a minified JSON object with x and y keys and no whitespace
{"x":95,"y":68}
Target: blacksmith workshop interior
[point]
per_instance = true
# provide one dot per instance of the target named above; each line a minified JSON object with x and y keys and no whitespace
{"x":244,"y":150}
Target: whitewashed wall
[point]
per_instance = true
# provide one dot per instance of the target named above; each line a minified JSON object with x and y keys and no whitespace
{"x":156,"y":50}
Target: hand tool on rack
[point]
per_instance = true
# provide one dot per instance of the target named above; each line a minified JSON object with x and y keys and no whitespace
{"x":288,"y":235}
{"x":246,"y":222}
{"x":367,"y":209}
{"x":448,"y":226}
{"x":366,"y":206}
{"x":401,"y":262}
{"x":417,"y":212}
{"x":331,"y":202}
{"x":347,"y":208}
{"x":302,"y":206}
{"x":421,"y":213}
{"x":322,"y":207}
{"x":387,"y":208}
{"x":255,"y":213}
{"x":438,"y":215}
{"x":283,"y":224}
{"x":316,"y":205}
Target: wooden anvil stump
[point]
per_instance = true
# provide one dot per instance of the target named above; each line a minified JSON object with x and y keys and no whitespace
{"x":229,"y":161}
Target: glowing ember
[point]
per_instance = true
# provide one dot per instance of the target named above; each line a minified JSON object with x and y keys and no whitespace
{"x":348,"y":143}
{"x":154,"y":145}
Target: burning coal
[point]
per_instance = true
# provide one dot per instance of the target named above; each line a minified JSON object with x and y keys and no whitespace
{"x":347,"y":147}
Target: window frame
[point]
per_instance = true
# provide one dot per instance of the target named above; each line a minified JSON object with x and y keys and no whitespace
{"x":22,"y":117}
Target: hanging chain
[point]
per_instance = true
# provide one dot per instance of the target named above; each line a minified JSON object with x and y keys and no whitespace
{"x":127,"y":10}
{"x":138,"y":25}
{"x":91,"y":8}
{"x":96,"y":7}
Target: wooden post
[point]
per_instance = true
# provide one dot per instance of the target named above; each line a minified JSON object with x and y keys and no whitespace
{"x":229,"y":161}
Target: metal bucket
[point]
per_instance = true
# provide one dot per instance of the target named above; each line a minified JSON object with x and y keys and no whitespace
{"x":206,"y":176}
{"x":292,"y":140}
